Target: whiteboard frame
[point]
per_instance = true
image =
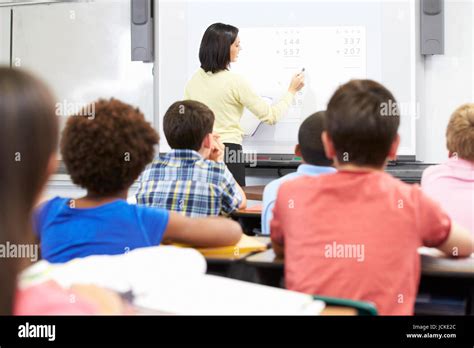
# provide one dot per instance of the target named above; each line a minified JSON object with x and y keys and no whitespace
{"x":416,"y":70}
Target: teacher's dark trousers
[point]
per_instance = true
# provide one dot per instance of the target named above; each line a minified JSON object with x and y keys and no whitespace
{"x":235,"y":160}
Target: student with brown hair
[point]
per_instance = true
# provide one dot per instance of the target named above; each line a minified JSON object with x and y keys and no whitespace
{"x":28,"y":141}
{"x":105,"y":155}
{"x":311,"y":150}
{"x":452,"y":183}
{"x":355,"y":233}
{"x":192,"y":178}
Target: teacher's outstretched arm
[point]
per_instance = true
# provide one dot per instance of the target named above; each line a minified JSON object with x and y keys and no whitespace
{"x":269,"y":114}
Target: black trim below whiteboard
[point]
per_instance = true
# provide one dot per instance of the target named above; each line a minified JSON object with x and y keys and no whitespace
{"x":288,"y":161}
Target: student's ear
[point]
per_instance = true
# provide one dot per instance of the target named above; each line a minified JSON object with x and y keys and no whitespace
{"x":207,"y":142}
{"x":329,"y":149}
{"x":298,"y":150}
{"x":392,"y":154}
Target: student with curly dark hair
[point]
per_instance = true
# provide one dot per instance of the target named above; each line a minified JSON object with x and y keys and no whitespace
{"x":105,"y":155}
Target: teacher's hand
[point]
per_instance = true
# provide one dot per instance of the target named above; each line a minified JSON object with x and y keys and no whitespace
{"x":297,"y":82}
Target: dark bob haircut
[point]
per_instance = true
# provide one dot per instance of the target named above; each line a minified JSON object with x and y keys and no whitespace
{"x":214,"y":53}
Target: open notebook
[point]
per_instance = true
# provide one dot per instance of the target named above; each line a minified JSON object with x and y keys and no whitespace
{"x":172,"y":280}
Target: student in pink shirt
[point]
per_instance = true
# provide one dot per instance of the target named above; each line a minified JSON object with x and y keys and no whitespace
{"x":28,"y":143}
{"x":355,"y":233}
{"x":452,"y":183}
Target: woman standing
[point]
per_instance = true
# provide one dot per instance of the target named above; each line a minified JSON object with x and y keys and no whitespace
{"x":227,"y":93}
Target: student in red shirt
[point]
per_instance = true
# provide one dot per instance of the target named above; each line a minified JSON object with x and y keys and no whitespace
{"x":355,"y":233}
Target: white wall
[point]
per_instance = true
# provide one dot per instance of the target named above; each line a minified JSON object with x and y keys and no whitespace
{"x":4,"y":36}
{"x":448,"y":81}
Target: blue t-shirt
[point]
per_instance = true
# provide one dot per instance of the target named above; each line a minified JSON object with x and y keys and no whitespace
{"x":271,"y":190}
{"x":67,"y":233}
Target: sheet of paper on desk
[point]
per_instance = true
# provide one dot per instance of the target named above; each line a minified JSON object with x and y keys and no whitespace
{"x":213,"y":295}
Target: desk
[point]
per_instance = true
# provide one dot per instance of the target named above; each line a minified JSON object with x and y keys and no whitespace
{"x":233,"y":266}
{"x":254,"y":193}
{"x":430,"y":266}
{"x":439,"y":276}
{"x":250,"y":220}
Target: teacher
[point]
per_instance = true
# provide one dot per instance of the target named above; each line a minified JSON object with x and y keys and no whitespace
{"x":227,"y":93}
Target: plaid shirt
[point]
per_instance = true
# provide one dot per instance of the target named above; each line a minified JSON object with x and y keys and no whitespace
{"x":185,"y":182}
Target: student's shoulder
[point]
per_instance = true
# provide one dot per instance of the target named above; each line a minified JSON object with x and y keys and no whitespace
{"x":53,"y":204}
{"x":217,"y":168}
{"x":296,"y":184}
{"x":391,"y":183}
{"x":144,"y":211}
{"x":47,"y":211}
{"x":435,"y":171}
{"x":410,"y":194}
{"x":274,"y":185}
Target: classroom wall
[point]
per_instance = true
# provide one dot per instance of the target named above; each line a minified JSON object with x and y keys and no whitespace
{"x":448,"y":81}
{"x":445,"y":82}
{"x":4,"y":36}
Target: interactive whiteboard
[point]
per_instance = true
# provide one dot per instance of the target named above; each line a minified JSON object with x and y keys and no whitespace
{"x":334,"y":41}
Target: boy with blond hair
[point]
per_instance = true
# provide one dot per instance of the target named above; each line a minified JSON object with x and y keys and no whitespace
{"x":452,"y":183}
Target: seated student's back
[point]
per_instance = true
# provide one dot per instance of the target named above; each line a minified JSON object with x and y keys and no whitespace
{"x":452,"y":183}
{"x":192,"y":179}
{"x":119,"y":226}
{"x":310,"y":149}
{"x":105,"y":155}
{"x":355,"y":233}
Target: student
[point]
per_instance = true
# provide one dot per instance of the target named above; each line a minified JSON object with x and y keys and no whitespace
{"x":105,"y":154}
{"x":452,"y":183}
{"x":355,"y":233}
{"x":28,"y":141}
{"x":192,"y":179}
{"x":310,"y":149}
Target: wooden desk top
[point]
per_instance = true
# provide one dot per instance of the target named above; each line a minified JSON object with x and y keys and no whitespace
{"x":254,"y":193}
{"x":247,"y":213}
{"x":334,"y":310}
{"x":430,"y":265}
